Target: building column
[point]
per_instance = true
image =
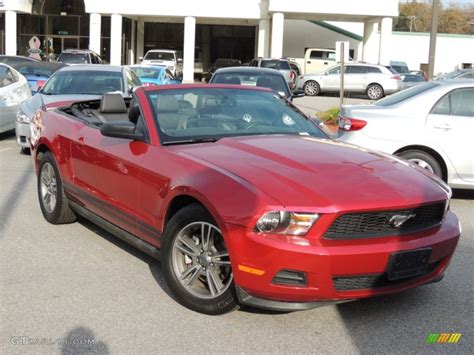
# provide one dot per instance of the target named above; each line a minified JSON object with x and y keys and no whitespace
{"x":278,"y":23}
{"x":188,"y":49}
{"x":140,"y":38}
{"x":132,"y":51}
{"x":95,"y":32}
{"x":385,"y":37}
{"x":370,"y":53}
{"x":10,"y":33}
{"x":263,"y":38}
{"x":116,"y":39}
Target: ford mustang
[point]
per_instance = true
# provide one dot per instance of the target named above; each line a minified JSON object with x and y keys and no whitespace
{"x":243,"y":199}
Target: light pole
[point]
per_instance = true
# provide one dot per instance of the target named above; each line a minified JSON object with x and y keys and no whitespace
{"x":434,"y":32}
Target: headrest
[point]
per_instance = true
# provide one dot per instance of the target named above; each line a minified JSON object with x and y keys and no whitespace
{"x":210,"y":107}
{"x":112,"y":103}
{"x":167,"y":103}
{"x":265,"y":82}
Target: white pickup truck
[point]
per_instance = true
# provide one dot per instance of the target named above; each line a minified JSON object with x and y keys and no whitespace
{"x":315,"y":60}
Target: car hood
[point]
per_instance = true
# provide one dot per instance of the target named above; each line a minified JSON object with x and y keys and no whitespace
{"x":305,"y":172}
{"x":30,"y":106}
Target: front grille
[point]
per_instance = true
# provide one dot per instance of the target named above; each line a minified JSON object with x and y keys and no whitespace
{"x":377,"y":224}
{"x":373,"y":281}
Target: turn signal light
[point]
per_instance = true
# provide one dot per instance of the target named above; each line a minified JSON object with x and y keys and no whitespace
{"x":351,"y":124}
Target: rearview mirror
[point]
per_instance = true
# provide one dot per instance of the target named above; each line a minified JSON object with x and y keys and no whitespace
{"x":121,"y":129}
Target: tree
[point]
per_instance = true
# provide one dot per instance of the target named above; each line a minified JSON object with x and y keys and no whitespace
{"x":416,"y":16}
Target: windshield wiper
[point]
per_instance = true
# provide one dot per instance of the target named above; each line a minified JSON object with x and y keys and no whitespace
{"x":193,"y":141}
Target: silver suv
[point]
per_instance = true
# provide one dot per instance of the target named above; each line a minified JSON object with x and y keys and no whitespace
{"x":282,"y":65}
{"x":375,"y":81}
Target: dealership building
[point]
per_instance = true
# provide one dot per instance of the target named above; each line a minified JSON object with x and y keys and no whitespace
{"x":121,"y":31}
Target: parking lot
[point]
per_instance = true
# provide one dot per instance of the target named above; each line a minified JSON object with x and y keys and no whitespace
{"x":75,"y":288}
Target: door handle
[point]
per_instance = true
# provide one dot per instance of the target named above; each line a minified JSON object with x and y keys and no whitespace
{"x":308,"y":62}
{"x":443,"y":125}
{"x":325,"y":63}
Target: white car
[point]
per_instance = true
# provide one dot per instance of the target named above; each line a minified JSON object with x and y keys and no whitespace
{"x":375,"y":81}
{"x":14,"y":90}
{"x":431,"y":125}
{"x":164,"y":58}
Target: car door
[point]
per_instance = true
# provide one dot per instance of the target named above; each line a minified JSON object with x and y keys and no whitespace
{"x":106,"y":173}
{"x":355,"y":78}
{"x":450,"y":124}
{"x":331,"y":79}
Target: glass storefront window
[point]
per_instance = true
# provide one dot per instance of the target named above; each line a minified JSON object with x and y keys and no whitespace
{"x":64,"y":25}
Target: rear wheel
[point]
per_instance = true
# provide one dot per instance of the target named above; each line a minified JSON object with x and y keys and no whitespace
{"x":196,"y":263}
{"x":53,"y":201}
{"x":375,"y":92}
{"x":311,"y":88}
{"x":423,"y":160}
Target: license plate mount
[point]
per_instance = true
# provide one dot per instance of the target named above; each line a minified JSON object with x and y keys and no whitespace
{"x":409,"y":263}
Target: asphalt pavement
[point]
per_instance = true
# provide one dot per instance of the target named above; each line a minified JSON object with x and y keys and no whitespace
{"x":77,"y":289}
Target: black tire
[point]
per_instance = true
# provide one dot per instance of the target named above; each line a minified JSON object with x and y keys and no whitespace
{"x":421,"y":158}
{"x":61,"y":213}
{"x":224,"y":303}
{"x":25,"y":151}
{"x":375,"y":92}
{"x":311,"y":88}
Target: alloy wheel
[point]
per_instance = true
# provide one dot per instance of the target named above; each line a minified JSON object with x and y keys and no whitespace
{"x":423,"y":164}
{"x":49,"y":188}
{"x":200,"y":260}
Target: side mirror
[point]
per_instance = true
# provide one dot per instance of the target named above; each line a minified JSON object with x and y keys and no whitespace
{"x":180,"y":60}
{"x":121,"y":129}
{"x":140,"y":59}
{"x":297,"y":95}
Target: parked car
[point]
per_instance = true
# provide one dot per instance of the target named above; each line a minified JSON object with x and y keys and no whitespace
{"x":12,"y":60}
{"x":221,"y":63}
{"x":79,"y":56}
{"x":242,"y":198}
{"x":251,"y":76}
{"x":430,"y":125}
{"x":282,"y":65}
{"x":399,"y":67}
{"x":13,"y":91}
{"x":37,"y":73}
{"x":421,"y":73}
{"x":375,"y":81}
{"x":458,"y":74}
{"x":155,"y":75}
{"x":165,"y":58}
{"x":316,"y":60}
{"x":410,"y":80}
{"x":73,"y":83}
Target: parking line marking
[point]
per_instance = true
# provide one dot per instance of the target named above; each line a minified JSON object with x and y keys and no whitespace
{"x":4,"y":150}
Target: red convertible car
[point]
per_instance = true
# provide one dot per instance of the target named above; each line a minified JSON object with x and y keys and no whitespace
{"x":243,"y":198}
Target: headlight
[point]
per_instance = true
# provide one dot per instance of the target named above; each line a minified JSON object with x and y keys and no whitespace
{"x":22,"y":117}
{"x":284,"y":222}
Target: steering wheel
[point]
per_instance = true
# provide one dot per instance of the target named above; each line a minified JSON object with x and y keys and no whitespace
{"x":194,"y":122}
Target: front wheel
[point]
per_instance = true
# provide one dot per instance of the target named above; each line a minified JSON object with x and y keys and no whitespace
{"x":196,"y":262}
{"x":423,"y":160}
{"x":375,"y":92}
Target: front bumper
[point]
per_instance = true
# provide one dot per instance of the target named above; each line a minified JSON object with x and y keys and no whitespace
{"x":22,"y":131}
{"x":325,"y":261}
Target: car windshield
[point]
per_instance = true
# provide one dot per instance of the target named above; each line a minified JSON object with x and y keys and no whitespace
{"x":275,"y":64}
{"x":207,"y":114}
{"x":159,"y":56}
{"x":74,"y":58}
{"x":147,"y":72}
{"x":400,"y":69}
{"x":85,"y":82}
{"x":271,"y":81}
{"x":405,"y":94}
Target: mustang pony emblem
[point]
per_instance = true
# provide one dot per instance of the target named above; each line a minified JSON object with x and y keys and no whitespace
{"x":398,"y":220}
